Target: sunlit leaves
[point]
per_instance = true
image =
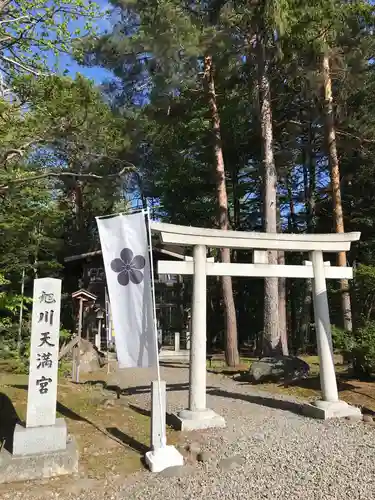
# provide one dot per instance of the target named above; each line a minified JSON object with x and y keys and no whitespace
{"x":32,"y":29}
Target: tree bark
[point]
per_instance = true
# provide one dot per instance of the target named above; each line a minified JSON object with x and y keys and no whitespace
{"x":282,"y":308}
{"x":282,"y":317}
{"x":309,"y":181}
{"x":338,"y":217}
{"x":231,"y":338}
{"x":271,"y":334}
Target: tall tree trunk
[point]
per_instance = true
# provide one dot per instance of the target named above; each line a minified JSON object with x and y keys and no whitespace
{"x":282,"y":308}
{"x":338,"y":217}
{"x":231,"y":340}
{"x":37,"y":237}
{"x":309,"y":183}
{"x":293,"y":287}
{"x":283,"y":329}
{"x":292,"y":297}
{"x":271,"y":334}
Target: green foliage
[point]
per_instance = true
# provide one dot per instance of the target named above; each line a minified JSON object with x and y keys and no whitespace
{"x":363,"y":352}
{"x":156,"y":50}
{"x":65,"y":335}
{"x":30,"y":30}
{"x":358,"y":348}
{"x":62,"y":144}
{"x":343,"y":341}
{"x":64,"y":157}
{"x":364,"y":292}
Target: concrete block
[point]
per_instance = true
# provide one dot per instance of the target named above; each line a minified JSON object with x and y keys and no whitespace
{"x":325,"y":410}
{"x":41,"y":466}
{"x":200,"y":419}
{"x":44,"y":439}
{"x":163,"y":458}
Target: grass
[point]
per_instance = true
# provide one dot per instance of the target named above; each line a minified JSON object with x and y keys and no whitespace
{"x":112,"y":435}
{"x":351,"y":390}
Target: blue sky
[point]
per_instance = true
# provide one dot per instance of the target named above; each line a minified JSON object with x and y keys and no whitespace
{"x":97,"y":74}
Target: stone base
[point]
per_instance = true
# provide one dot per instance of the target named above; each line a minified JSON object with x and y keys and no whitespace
{"x":25,"y":468}
{"x":325,"y":410}
{"x":199,"y":419}
{"x":45,"y":439}
{"x":163,"y":458}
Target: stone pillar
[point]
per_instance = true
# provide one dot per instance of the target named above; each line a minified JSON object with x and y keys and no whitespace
{"x":330,"y":406}
{"x":198,"y":416}
{"x":323,"y":330}
{"x":42,"y":448}
{"x":197,"y":389}
{"x":176,"y":341}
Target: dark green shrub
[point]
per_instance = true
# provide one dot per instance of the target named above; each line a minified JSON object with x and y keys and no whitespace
{"x":363,"y":352}
{"x":358,"y":348}
{"x":343,"y":341}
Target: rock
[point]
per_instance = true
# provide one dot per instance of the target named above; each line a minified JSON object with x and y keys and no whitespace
{"x":205,"y":456}
{"x":287,"y":368}
{"x":108,"y":403}
{"x":368,"y":419}
{"x":90,"y":359}
{"x":194,"y":448}
{"x":231,"y":462}
{"x":259,"y":436}
{"x":353,"y":418}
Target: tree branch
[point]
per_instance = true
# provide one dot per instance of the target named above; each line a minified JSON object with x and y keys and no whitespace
{"x":4,"y":4}
{"x":356,"y":137}
{"x":11,"y":153}
{"x":125,"y":170}
{"x":19,"y":65}
{"x":338,"y":132}
{"x":13,"y":19}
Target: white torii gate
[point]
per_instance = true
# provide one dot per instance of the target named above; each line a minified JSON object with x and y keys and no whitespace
{"x":197,"y":416}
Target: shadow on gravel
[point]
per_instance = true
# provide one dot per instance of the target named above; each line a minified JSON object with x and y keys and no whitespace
{"x":130,"y":391}
{"x":259,"y":400}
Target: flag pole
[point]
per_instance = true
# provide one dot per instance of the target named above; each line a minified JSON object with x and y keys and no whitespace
{"x":147,"y":214}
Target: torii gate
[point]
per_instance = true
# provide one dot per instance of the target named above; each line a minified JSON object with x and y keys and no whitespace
{"x":197,"y":416}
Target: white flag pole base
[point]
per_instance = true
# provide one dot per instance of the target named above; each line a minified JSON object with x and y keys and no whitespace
{"x":162,"y":458}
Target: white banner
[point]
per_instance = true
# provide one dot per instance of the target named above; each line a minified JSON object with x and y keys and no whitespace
{"x":127,"y":267}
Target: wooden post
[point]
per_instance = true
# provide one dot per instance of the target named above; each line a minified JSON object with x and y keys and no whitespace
{"x":77,"y":349}
{"x":98,"y":336}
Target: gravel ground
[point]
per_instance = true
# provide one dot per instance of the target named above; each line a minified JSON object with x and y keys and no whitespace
{"x":274,"y":452}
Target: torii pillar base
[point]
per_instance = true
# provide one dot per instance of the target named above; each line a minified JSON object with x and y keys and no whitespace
{"x":325,"y":410}
{"x":199,"y":419}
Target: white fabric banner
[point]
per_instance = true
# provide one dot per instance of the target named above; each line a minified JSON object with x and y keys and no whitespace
{"x":126,"y":259}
